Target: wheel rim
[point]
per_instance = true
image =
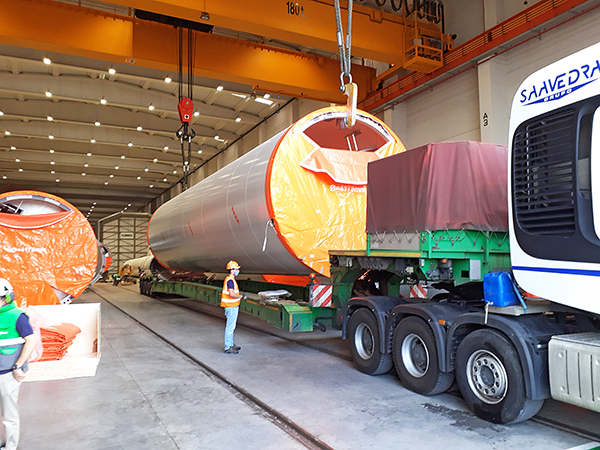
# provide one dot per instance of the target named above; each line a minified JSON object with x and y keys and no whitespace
{"x":415,"y":355}
{"x":487,"y":377}
{"x":364,"y":342}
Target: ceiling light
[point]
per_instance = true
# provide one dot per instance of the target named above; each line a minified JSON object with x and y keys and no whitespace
{"x":239,"y":95}
{"x":7,"y":133}
{"x":52,"y":172}
{"x":103,"y":101}
{"x":217,"y":137}
{"x":266,"y":95}
{"x":174,"y":171}
{"x":151,"y":185}
{"x":122,"y":156}
{"x":52,"y":162}
{"x":204,"y":15}
{"x":106,"y":182}
{"x":86,"y":165}
{"x":17,"y":160}
{"x":89,"y":154}
{"x":130,"y":145}
{"x":166,"y":148}
{"x":97,"y":124}
{"x":139,"y":128}
{"x":164,"y":179}
{"x":50,"y":137}
{"x":139,"y":178}
{"x":4,"y":177}
{"x":129,"y":204}
{"x":196,"y":113}
{"x":199,"y":151}
{"x":186,"y":163}
{"x":48,"y":94}
{"x":151,"y":107}
{"x":51,"y":151}
{"x":263,"y":100}
{"x":47,"y":61}
{"x":168,"y":79}
{"x":57,"y":180}
{"x":1,"y":113}
{"x":50,"y":118}
{"x":146,"y":169}
{"x":12,"y":147}
{"x":83,"y":174}
{"x":111,"y":175}
{"x":94,"y":203}
{"x":93,"y":141}
{"x":155,"y":160}
{"x":219,"y":88}
{"x":112,"y":71}
{"x":20,"y":170}
{"x":238,"y":119}
{"x":116,"y":167}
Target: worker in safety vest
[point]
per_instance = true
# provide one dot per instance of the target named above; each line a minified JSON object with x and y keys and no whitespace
{"x":17,"y":342}
{"x":230,"y":300}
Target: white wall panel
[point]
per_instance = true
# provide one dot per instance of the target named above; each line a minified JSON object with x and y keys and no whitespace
{"x":448,"y":112}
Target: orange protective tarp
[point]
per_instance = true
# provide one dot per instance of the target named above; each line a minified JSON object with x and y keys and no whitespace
{"x":342,"y":166}
{"x":46,"y":251}
{"x":57,"y":339}
{"x":316,"y":194}
{"x":291,"y":280}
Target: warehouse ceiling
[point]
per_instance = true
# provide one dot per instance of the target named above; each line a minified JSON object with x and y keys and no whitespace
{"x":101,"y":134}
{"x":106,"y":140}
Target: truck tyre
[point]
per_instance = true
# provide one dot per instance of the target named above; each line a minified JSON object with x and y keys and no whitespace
{"x":364,"y":344}
{"x":490,"y":378}
{"x":416,"y":358}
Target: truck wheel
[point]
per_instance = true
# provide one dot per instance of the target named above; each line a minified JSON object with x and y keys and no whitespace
{"x":416,"y":358}
{"x":364,"y":344}
{"x":490,"y":378}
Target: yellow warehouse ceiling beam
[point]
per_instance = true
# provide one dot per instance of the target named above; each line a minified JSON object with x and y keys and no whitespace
{"x":74,"y":30}
{"x":376,"y":35}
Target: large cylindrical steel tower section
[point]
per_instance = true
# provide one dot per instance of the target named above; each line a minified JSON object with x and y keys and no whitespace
{"x":279,"y":208}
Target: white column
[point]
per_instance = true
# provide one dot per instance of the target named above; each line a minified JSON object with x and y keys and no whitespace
{"x":494,"y":102}
{"x":395,"y":118}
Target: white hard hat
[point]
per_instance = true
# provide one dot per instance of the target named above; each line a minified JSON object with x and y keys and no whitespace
{"x":6,"y":290}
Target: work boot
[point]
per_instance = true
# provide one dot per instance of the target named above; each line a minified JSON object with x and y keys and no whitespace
{"x":232,"y":350}
{"x":235,"y":347}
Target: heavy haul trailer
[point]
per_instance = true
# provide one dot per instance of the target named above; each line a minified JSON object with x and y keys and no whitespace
{"x":508,"y":349}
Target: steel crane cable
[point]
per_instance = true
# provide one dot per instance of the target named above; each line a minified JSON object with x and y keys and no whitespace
{"x":186,"y":136}
{"x":344,"y":48}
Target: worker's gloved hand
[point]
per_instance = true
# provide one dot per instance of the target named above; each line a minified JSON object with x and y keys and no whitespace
{"x":244,"y":296}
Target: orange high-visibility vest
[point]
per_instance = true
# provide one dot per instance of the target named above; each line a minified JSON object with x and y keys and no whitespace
{"x":226,"y":299}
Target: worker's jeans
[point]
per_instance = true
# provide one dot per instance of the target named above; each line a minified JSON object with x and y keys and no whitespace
{"x":231,"y":312}
{"x":9,"y":394}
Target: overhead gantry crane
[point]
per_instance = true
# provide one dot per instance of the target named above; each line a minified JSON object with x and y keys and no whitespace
{"x":415,"y":42}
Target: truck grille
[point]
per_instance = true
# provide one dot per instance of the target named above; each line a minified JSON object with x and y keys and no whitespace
{"x":543,"y":175}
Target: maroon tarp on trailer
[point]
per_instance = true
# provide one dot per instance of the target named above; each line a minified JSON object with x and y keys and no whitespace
{"x":448,"y":185}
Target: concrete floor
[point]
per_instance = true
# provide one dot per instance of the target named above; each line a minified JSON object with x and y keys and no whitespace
{"x":146,"y":395}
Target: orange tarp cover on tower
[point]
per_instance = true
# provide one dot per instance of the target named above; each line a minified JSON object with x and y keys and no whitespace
{"x":318,"y":184}
{"x":41,"y":254}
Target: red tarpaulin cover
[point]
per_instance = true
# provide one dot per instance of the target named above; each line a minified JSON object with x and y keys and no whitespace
{"x":45,"y":251}
{"x":452,"y":185}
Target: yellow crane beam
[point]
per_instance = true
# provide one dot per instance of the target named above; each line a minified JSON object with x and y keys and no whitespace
{"x":68,"y":29}
{"x":376,"y":35}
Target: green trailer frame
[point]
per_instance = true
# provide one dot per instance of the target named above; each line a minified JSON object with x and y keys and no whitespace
{"x":459,"y":256}
{"x":287,"y":315}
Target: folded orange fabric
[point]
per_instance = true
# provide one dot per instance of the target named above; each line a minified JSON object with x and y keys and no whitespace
{"x":57,"y":339}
